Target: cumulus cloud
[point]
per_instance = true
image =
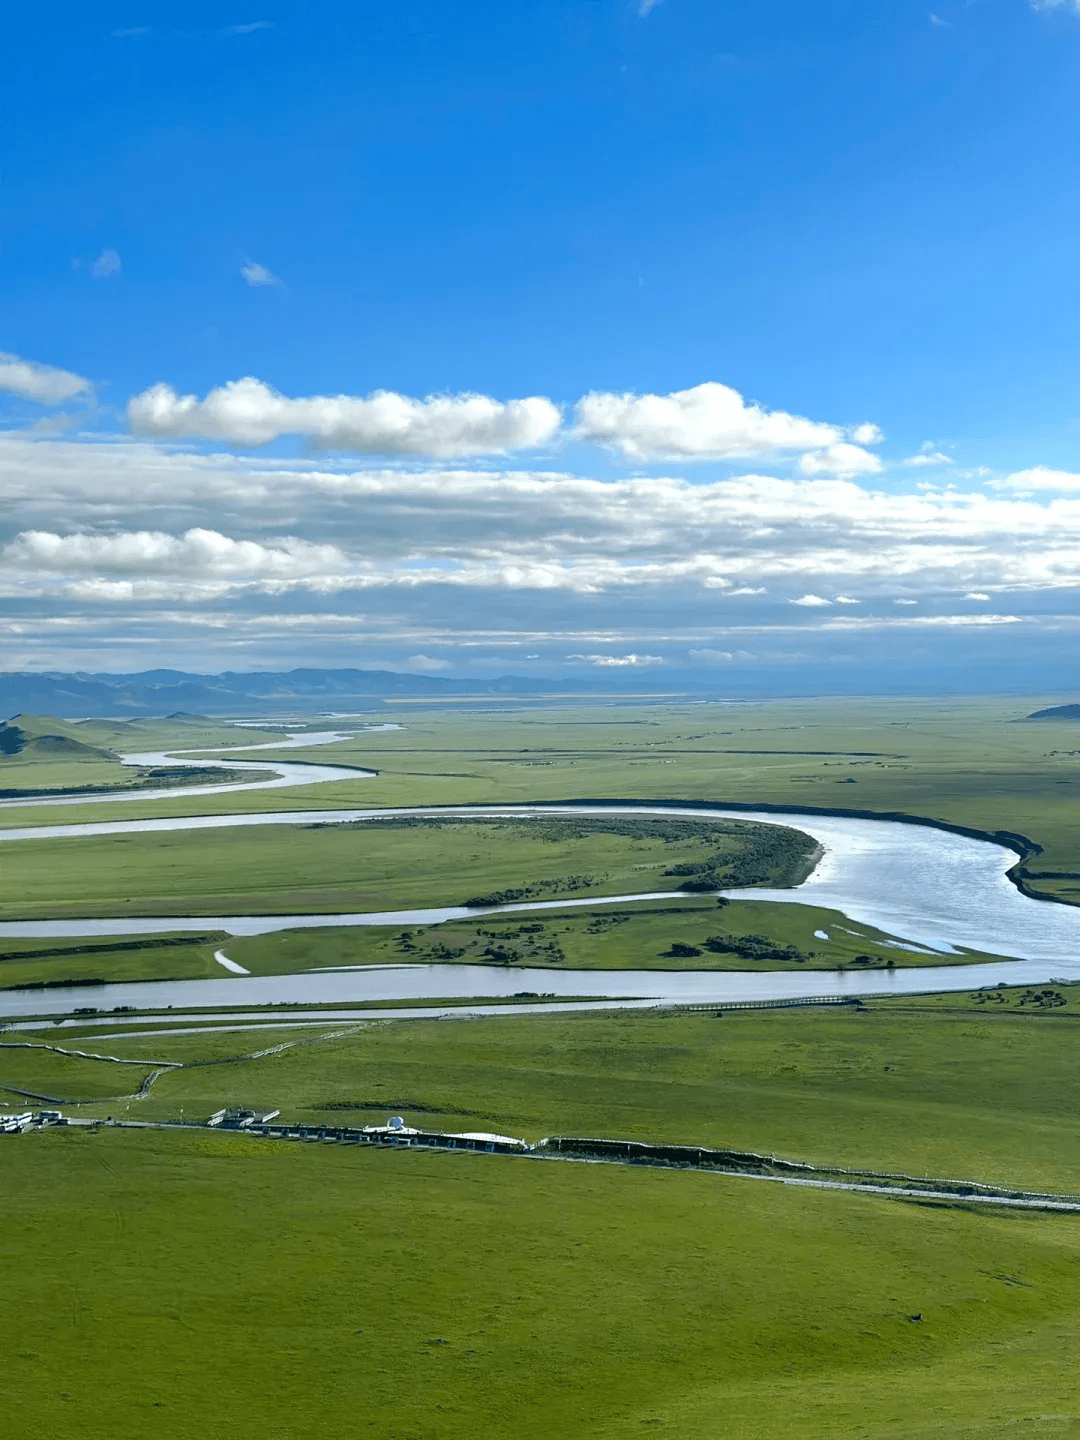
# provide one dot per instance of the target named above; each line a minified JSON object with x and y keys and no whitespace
{"x":812,"y":602}
{"x":842,"y":460}
{"x":976,"y":595}
{"x":257,"y":275}
{"x":44,"y":383}
{"x":506,"y":530}
{"x":905,"y":601}
{"x":707,"y":422}
{"x":108,"y":263}
{"x":249,"y":412}
{"x":619,"y":660}
{"x":867,"y":435}
{"x":846,"y":600}
{"x":198,"y":554}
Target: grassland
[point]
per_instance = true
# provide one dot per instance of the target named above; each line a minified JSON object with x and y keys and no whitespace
{"x":680,"y":933}
{"x":186,"y":1285}
{"x":57,"y":757}
{"x":62,"y":962}
{"x":324,"y":869}
{"x":956,"y":1086}
{"x":644,"y":938}
{"x":450,"y":1296}
{"x":221,"y":1287}
{"x":975,"y":763}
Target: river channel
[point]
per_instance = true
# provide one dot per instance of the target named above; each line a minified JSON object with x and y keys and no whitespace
{"x":925,"y":886}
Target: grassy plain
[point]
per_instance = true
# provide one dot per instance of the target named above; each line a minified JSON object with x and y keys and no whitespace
{"x":967,"y":762}
{"x":223,"y":1287}
{"x":284,"y":869}
{"x":956,"y":1087}
{"x":154,"y":957}
{"x":654,"y":936}
{"x":205,"y":1285}
{"x":601,"y":939}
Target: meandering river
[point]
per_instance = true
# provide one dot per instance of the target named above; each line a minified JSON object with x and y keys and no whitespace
{"x":287,"y":775}
{"x":929,"y":887}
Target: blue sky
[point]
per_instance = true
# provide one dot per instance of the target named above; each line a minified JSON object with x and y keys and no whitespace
{"x":858,"y":217}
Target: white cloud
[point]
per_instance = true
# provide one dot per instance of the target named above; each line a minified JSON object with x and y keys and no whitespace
{"x":619,"y":660}
{"x":650,"y":540}
{"x":720,"y":657}
{"x":44,"y":383}
{"x":248,"y":412}
{"x":937,"y":20}
{"x":904,"y":601}
{"x":928,"y":455}
{"x":1072,"y":5}
{"x":646,"y":7}
{"x":710,"y":421}
{"x":846,"y":600}
{"x":198,"y":554}
{"x":258,"y":275}
{"x":976,"y":595}
{"x":919,"y":622}
{"x":812,"y":602}
{"x":1039,"y":477}
{"x":108,"y":263}
{"x":424,"y":663}
{"x":842,"y":460}
{"x":867,"y":435}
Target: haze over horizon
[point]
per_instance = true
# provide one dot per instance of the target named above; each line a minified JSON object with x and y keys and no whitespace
{"x":664,"y":340}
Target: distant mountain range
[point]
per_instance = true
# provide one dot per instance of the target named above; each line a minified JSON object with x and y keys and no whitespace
{"x":161,"y":692}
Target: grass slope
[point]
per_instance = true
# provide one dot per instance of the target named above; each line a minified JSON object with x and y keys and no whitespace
{"x":227,"y":1288}
{"x":956,"y":1087}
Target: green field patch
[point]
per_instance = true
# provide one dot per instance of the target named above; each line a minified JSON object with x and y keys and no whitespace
{"x":899,"y":1085}
{"x":454,"y":1296}
{"x":320,"y":869}
{"x":665,"y":935}
{"x":38,"y":964}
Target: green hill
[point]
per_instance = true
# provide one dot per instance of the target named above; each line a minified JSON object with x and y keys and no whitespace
{"x":31,"y":736}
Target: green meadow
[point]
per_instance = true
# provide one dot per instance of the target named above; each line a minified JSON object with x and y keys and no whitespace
{"x":976,"y":763}
{"x":285,"y":869}
{"x":189,"y":1284}
{"x":900,"y":1085}
{"x":230,"y":1288}
{"x":181,"y":1283}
